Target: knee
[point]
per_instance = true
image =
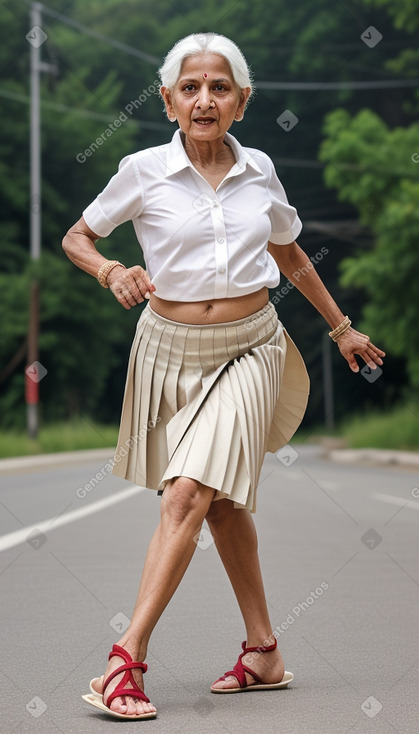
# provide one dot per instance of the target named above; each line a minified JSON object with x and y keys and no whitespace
{"x":220,"y":513}
{"x":184,"y":498}
{"x":226,"y":521}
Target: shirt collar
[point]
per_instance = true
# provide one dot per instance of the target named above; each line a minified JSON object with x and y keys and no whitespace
{"x":177,"y":158}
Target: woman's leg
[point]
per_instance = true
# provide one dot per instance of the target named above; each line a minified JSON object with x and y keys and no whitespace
{"x":184,"y":505}
{"x":235,"y":537}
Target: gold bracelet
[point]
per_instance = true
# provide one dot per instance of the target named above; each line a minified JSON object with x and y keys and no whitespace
{"x":340,"y":329}
{"x":104,"y":271}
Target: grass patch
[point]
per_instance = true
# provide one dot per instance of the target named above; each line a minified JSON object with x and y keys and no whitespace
{"x":395,"y":429}
{"x":68,"y":436}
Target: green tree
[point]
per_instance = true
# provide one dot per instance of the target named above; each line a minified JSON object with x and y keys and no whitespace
{"x":376,"y":168}
{"x":75,"y":313}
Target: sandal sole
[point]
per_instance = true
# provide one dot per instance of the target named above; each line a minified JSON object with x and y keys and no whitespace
{"x":96,"y":700}
{"x":288,"y":677}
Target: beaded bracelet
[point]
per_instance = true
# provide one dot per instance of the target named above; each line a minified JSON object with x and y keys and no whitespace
{"x":340,"y":329}
{"x":104,"y":271}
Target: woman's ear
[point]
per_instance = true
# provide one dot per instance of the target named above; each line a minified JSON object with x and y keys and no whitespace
{"x":167,"y":99}
{"x":244,"y":96}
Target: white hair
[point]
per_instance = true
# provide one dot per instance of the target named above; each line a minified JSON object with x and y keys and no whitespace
{"x":200,"y":43}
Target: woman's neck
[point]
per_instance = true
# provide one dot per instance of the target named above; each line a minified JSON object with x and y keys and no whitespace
{"x":207,"y":152}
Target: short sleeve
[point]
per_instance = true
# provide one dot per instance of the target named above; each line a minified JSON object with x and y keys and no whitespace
{"x":120,"y":200}
{"x":285,"y":222}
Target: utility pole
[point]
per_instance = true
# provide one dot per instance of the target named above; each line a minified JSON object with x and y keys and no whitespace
{"x":34,"y":370}
{"x":35,"y":133}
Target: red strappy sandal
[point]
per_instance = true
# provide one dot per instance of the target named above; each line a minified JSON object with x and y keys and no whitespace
{"x":240,"y":670}
{"x":96,"y":699}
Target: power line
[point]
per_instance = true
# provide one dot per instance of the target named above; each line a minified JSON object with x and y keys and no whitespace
{"x":298,"y":162}
{"x":326,"y":47}
{"x":99,"y":36}
{"x":310,"y":86}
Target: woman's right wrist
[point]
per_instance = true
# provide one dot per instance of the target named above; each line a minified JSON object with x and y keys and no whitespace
{"x":105,"y":269}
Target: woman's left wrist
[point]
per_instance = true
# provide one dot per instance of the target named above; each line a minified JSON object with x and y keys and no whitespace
{"x":340,"y":329}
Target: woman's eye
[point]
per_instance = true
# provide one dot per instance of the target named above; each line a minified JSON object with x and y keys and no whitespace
{"x":189,"y":88}
{"x":219,"y":88}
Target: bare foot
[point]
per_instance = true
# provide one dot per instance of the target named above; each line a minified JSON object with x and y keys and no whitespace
{"x":128,"y":705}
{"x":269,"y":666}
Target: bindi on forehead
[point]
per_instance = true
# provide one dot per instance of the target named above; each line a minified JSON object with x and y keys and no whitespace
{"x":204,"y":75}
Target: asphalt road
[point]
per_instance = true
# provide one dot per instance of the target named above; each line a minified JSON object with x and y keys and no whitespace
{"x":339,"y":549}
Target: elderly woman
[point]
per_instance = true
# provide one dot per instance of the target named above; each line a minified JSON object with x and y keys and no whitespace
{"x":214,"y":381}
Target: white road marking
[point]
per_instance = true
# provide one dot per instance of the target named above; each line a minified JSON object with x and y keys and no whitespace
{"x":20,"y":536}
{"x":412,"y":504}
{"x":10,"y":540}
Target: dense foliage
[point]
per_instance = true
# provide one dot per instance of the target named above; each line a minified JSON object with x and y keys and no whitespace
{"x":376,"y":168}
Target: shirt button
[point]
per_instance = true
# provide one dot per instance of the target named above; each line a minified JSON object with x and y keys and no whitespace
{"x":221,"y":270}
{"x":215,"y":203}
{"x":221,"y":240}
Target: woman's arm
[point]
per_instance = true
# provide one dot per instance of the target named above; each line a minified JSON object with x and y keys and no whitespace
{"x":129,"y":285}
{"x":293,"y":262}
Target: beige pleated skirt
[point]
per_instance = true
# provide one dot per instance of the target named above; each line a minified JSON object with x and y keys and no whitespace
{"x":207,"y":402}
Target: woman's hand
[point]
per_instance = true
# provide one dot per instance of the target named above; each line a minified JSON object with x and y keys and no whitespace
{"x":353,"y":342}
{"x":130,"y":285}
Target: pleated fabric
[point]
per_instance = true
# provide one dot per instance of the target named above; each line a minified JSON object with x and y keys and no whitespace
{"x":208,"y":401}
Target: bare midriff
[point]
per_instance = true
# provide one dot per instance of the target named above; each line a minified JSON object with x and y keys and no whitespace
{"x":210,"y":312}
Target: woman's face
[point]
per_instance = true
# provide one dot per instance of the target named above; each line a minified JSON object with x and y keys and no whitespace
{"x":205,"y":99}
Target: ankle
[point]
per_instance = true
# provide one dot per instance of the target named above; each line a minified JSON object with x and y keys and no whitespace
{"x":261,"y":641}
{"x":133,"y":644}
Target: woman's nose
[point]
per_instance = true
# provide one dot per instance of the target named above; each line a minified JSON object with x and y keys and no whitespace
{"x":204,"y":99}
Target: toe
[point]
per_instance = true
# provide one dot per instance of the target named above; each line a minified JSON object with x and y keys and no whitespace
{"x":145,"y":708}
{"x":131,"y":706}
{"x":229,"y":682}
{"x":119,"y":705}
{"x":136,"y":707}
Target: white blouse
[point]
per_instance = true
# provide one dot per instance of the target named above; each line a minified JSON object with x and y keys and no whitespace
{"x":199,"y":244}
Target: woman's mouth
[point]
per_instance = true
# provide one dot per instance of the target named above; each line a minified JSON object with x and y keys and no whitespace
{"x":204,"y":121}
